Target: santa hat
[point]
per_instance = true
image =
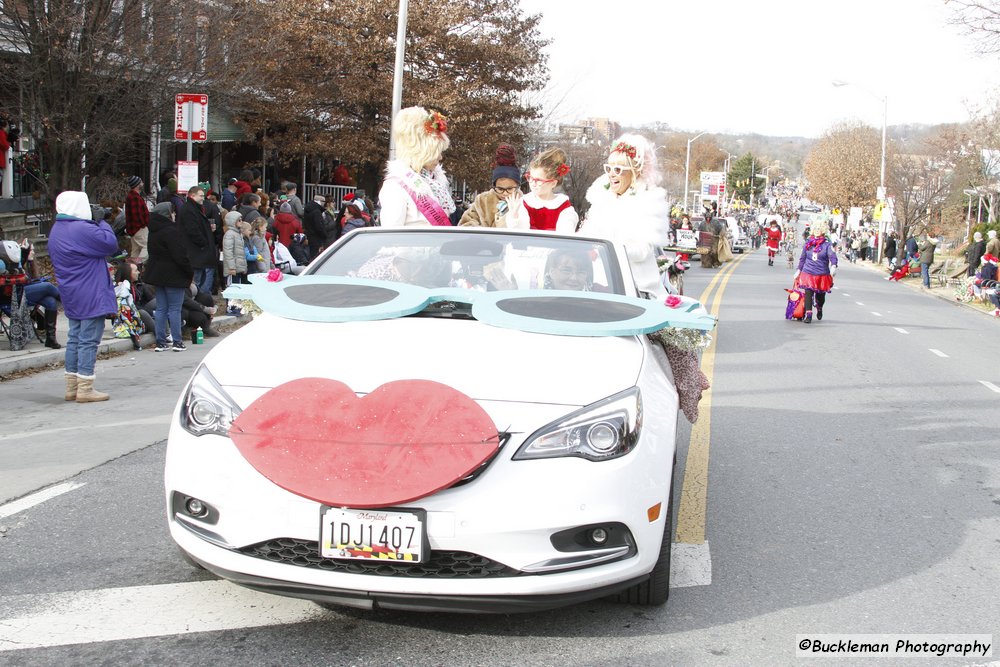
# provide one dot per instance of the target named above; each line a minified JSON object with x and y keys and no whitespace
{"x":990,"y":258}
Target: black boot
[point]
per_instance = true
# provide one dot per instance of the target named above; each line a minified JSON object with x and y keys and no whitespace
{"x":50,"y":329}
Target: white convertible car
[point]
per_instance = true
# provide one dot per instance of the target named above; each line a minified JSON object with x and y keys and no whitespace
{"x":436,"y":419}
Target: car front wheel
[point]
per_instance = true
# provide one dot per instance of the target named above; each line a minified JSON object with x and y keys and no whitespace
{"x":656,"y":589}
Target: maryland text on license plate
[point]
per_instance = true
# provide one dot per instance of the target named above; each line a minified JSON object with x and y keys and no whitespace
{"x":372,"y":534}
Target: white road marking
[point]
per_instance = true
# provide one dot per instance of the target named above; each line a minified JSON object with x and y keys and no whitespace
{"x":114,"y":614}
{"x":939,"y":353}
{"x":690,"y":565}
{"x":990,"y":386}
{"x":159,"y":419}
{"x":846,"y":294}
{"x":876,"y":314}
{"x":37,"y":498}
{"x":902,"y":331}
{"x":859,"y":303}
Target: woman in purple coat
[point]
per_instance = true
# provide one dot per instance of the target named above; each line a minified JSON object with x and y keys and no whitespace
{"x":78,"y":248}
{"x":817,"y":266}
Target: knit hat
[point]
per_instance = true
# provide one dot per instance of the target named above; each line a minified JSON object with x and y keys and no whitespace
{"x":285,"y":208}
{"x":505,"y":164}
{"x":360,"y":203}
{"x":164,"y":208}
{"x":978,"y":236}
{"x":134,"y":181}
{"x":172,"y":185}
{"x":231,"y":181}
{"x":992,"y":233}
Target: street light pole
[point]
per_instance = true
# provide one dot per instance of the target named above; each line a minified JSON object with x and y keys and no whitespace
{"x":397,"y":78}
{"x":687,"y":170}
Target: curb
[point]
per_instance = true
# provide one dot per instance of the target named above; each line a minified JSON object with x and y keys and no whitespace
{"x":49,"y":358}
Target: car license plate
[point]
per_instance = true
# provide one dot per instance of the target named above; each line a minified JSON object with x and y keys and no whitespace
{"x":372,"y":535}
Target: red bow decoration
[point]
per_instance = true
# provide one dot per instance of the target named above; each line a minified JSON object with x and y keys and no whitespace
{"x":562,"y":170}
{"x":622,"y":147}
{"x":436,"y":123}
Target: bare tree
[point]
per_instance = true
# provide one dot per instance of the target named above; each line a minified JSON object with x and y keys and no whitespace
{"x":980,"y":20}
{"x":88,"y":79}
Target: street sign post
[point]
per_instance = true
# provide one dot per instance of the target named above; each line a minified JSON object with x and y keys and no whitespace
{"x":190,"y":119}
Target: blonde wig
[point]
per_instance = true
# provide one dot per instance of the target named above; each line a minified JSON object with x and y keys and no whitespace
{"x":820,"y":228}
{"x":635,"y":151}
{"x":421,"y":137}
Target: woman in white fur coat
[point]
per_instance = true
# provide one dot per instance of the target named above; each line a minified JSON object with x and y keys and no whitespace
{"x":626,"y":206}
{"x":416,"y":190}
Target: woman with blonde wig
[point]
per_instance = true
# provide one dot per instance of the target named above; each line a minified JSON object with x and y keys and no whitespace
{"x":416,"y":190}
{"x":817,"y":266}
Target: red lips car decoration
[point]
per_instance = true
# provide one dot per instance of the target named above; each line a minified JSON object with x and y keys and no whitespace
{"x":405,"y":440}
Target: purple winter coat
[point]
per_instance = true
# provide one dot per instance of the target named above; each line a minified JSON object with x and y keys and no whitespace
{"x":79,"y":250}
{"x":826,"y":257}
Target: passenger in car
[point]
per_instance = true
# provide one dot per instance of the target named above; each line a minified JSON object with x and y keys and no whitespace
{"x":568,"y":269}
{"x":416,"y":190}
{"x":414,"y":266}
{"x":629,"y":208}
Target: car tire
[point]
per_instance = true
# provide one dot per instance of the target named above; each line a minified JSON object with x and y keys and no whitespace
{"x":190,"y":561}
{"x":656,"y":589}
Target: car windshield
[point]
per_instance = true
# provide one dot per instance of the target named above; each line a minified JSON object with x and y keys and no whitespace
{"x":476,"y":260}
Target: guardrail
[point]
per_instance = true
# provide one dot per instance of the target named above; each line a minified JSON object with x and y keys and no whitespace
{"x":310,"y":190}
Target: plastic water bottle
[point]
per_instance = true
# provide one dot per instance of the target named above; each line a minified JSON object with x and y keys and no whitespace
{"x":199,"y":336}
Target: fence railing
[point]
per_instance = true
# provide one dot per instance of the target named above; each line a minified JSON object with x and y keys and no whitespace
{"x":310,"y":190}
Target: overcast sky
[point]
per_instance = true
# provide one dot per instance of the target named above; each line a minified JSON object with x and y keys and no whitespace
{"x":762,"y":66}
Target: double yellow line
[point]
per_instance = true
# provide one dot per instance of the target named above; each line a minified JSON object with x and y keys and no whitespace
{"x":694,"y":489}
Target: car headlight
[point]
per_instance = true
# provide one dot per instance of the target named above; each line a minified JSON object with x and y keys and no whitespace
{"x":207,"y":407}
{"x":601,"y":431}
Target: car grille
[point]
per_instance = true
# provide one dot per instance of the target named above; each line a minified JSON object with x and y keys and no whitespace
{"x":441,"y":565}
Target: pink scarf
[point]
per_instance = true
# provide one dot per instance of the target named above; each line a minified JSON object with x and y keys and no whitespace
{"x":427,"y":205}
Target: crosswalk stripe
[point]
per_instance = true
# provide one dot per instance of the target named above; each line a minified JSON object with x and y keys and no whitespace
{"x":114,"y":614}
{"x":37,"y":498}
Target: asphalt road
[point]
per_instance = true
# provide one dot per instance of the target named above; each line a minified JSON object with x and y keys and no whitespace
{"x":853,"y":487}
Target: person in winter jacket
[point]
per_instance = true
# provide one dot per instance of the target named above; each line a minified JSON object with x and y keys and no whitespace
{"x":353,"y":219}
{"x":79,"y":248}
{"x":300,"y":249}
{"x":495,"y":207}
{"x":197,"y":229}
{"x":286,"y":224}
{"x":927,"y":249}
{"x":313,"y":226}
{"x":169,"y":271}
{"x":136,"y":218}
{"x":817,"y":267}
{"x":974,"y":253}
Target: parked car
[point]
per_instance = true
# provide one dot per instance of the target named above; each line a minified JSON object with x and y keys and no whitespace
{"x":445,"y":419}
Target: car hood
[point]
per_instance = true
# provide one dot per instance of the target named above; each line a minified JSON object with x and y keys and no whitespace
{"x":481,"y":361}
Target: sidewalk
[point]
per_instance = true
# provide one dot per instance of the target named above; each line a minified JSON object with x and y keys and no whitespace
{"x":945,"y":293}
{"x":35,"y":355}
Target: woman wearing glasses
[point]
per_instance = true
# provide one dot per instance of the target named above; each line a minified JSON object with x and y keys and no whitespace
{"x":494,"y":207}
{"x":543,"y":208}
{"x":626,"y":206}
